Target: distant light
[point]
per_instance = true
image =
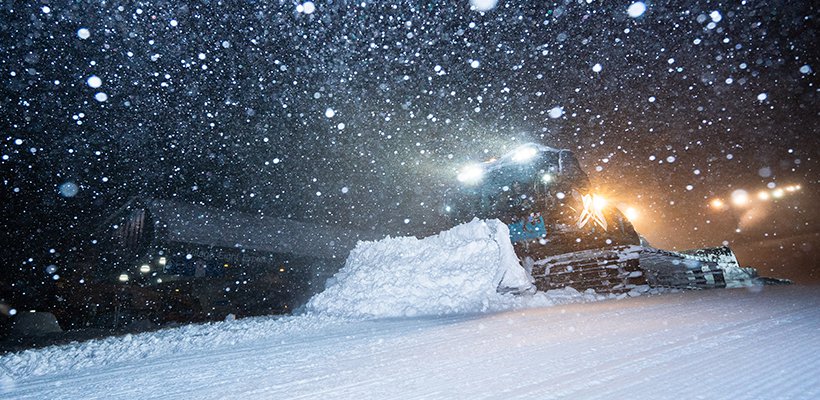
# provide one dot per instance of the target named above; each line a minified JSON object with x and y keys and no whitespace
{"x":740,"y":197}
{"x":524,"y":154}
{"x":308,"y":7}
{"x":471,"y":174}
{"x":556,"y":112}
{"x":763,"y":195}
{"x":162,"y":261}
{"x":631,"y":214}
{"x":777,"y":193}
{"x":281,"y":270}
{"x":145,"y":268}
{"x":83,"y":33}
{"x":597,"y":68}
{"x":636,"y":9}
{"x":716,"y":203}
{"x":123,"y":278}
{"x":159,"y":280}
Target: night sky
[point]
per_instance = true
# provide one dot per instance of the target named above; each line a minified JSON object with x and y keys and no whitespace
{"x":361,"y":114}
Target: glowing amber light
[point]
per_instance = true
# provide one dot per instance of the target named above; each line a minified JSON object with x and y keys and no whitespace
{"x":631,"y":213}
{"x":593,"y":211}
{"x":716,"y":203}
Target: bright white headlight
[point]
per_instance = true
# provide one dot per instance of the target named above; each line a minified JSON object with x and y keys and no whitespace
{"x":471,"y":174}
{"x":547,"y":178}
{"x":524,"y":154}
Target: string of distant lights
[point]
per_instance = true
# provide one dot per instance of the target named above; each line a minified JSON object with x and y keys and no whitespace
{"x":742,"y":198}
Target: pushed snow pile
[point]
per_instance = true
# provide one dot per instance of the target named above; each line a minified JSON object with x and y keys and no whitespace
{"x":464,"y":269}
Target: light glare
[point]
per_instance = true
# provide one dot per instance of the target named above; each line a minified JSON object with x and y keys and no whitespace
{"x":598,"y":202}
{"x":593,"y":211}
{"x":547,"y":178}
{"x":740,"y":197}
{"x":471,"y":174}
{"x":631,"y":213}
{"x":524,"y":154}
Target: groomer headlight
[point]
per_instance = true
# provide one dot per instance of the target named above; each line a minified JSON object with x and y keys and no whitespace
{"x":471,"y":174}
{"x":547,"y":178}
{"x":524,"y":154}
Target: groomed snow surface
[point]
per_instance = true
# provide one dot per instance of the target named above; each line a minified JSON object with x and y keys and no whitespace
{"x":409,"y":318}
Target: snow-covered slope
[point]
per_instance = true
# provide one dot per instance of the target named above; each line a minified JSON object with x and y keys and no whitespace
{"x":410,"y":318}
{"x":718,"y":344}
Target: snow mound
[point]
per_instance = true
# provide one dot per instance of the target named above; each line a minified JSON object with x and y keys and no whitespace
{"x":469,"y":268}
